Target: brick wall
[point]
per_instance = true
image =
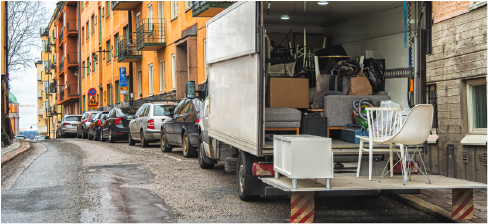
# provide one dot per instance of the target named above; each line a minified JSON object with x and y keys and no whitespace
{"x":458,"y":54}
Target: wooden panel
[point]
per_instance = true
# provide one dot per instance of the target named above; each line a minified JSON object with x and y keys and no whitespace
{"x":459,"y":166}
{"x":434,"y":159}
{"x":480,"y":168}
{"x":471,"y":166}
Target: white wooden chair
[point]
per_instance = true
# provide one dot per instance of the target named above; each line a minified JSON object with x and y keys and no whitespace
{"x":385,"y":127}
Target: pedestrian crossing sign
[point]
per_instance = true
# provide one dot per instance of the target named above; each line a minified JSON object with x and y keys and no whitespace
{"x":93,"y":102}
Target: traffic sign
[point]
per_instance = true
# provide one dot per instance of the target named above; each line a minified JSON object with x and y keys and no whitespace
{"x":123,"y":80}
{"x":92,"y":92}
{"x":93,"y":102}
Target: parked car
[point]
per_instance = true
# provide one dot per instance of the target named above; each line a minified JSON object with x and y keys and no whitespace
{"x":20,"y":137}
{"x":68,"y":125}
{"x":82,"y":129}
{"x":43,"y":137}
{"x":116,"y":126}
{"x":181,"y":129}
{"x":145,"y":127}
{"x":96,"y":126}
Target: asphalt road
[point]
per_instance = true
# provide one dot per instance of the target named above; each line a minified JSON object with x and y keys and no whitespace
{"x":75,"y":180}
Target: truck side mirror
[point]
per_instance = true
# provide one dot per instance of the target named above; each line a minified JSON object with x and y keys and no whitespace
{"x":190,"y":89}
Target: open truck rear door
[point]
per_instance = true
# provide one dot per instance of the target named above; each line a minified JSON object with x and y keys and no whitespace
{"x":234,"y":80}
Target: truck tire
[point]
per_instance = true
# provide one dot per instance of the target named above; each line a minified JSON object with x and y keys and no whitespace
{"x":201,"y":161}
{"x":244,"y":168}
{"x":165,"y":147}
{"x":230,"y":164}
{"x":188,"y":150}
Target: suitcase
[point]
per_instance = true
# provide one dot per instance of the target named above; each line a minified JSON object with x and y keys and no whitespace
{"x":349,"y":133}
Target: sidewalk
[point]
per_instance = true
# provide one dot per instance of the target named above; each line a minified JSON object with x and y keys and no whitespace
{"x":439,"y":203}
{"x":15,"y":149}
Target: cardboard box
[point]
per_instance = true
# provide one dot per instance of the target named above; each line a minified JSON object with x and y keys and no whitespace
{"x":288,"y":92}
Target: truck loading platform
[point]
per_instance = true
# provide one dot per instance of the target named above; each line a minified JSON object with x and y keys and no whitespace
{"x":362,"y":183}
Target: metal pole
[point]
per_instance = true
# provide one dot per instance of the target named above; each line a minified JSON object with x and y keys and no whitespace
{"x":416,"y":70}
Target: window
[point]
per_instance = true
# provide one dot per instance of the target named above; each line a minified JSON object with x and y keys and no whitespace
{"x":84,"y":100}
{"x":162,"y":85}
{"x":109,"y":90}
{"x":188,"y":5}
{"x":117,"y":91}
{"x":87,"y":30}
{"x":83,"y":34}
{"x":109,"y":54}
{"x":139,"y":83}
{"x":476,"y":102}
{"x":93,"y":62}
{"x":174,"y":9}
{"x":185,"y":108}
{"x":149,"y":11}
{"x":150,"y":72}
{"x":93,"y":23}
{"x":138,"y":20}
{"x":82,"y":5}
{"x":160,"y":10}
{"x":83,"y":68}
{"x":173,"y":71}
{"x":116,"y":45}
{"x":108,"y":8}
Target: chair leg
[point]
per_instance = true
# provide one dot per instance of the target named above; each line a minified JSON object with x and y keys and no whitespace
{"x":361,"y":143}
{"x":370,"y":160}
{"x":391,"y":160}
{"x":404,"y":171}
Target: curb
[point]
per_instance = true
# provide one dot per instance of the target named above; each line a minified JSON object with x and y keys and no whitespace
{"x":24,"y":147}
{"x":425,"y":206}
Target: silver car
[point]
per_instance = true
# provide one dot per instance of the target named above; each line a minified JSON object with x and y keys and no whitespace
{"x":68,"y":125}
{"x":145,"y":127}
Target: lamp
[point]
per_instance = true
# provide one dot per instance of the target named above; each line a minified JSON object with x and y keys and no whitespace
{"x":285,"y":17}
{"x":323,"y":3}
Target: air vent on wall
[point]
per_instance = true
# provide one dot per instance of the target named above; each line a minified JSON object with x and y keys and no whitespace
{"x":465,"y":156}
{"x":484,"y":159}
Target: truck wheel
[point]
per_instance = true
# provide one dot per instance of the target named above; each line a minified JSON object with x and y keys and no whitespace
{"x":144,"y":143}
{"x":188,"y":150}
{"x":201,"y":161}
{"x":131,"y":141}
{"x":244,"y":168}
{"x":165,"y":147}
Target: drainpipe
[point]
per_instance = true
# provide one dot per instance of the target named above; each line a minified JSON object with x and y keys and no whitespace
{"x":131,"y":97}
{"x":79,"y":57}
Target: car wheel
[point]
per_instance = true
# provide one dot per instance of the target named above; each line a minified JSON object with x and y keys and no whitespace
{"x":111,"y":138}
{"x":144,"y":143}
{"x":89,"y":136}
{"x":95,"y":137}
{"x":244,"y":168}
{"x":101,"y":136}
{"x":188,"y":150}
{"x":201,"y":161}
{"x":83,"y":136}
{"x":165,"y":147}
{"x":131,"y":141}
{"x":77,"y":133}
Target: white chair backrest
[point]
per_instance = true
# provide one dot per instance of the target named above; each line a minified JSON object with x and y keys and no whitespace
{"x":383,"y":123}
{"x":416,"y":128}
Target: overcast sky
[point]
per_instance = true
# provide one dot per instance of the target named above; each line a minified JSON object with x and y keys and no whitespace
{"x":25,"y":87}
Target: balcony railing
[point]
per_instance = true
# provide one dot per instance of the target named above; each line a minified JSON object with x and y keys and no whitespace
{"x":150,"y":34}
{"x":52,"y":87}
{"x":46,"y":65}
{"x":40,"y":111}
{"x":39,"y":76}
{"x":72,"y":59}
{"x":61,"y":92}
{"x":127,"y":49}
{"x":125,"y":5}
{"x":43,"y":32}
{"x":39,"y":93}
{"x":72,"y":27}
{"x":200,"y":8}
{"x":61,"y":36}
{"x":73,"y":90}
{"x":61,"y":65}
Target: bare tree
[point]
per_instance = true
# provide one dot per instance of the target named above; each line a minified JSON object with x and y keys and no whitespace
{"x":25,"y":19}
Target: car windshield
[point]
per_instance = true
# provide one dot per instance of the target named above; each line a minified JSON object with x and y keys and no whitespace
{"x":159,"y":109}
{"x":73,"y":118}
{"x":129,"y":112}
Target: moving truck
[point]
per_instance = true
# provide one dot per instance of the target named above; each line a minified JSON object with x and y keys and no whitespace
{"x":238,"y":59}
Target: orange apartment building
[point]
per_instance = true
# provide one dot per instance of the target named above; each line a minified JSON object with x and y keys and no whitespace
{"x":160,"y":43}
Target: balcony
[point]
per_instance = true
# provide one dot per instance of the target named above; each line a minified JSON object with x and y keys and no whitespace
{"x":61,"y":66}
{"x":43,"y":32}
{"x":125,"y":5}
{"x":39,"y":93}
{"x":150,"y":34}
{"x":39,"y":77}
{"x":42,"y":129}
{"x":52,"y":87}
{"x":61,"y":36}
{"x":61,"y":92}
{"x":73,"y":59}
{"x":46,"y":65}
{"x":72,"y":27}
{"x":40,"y":111}
{"x":73,"y":90}
{"x":209,"y":8}
{"x":127,"y":50}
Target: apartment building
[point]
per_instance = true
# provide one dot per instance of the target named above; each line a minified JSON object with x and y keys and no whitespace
{"x":13,"y":114}
{"x":456,"y":85}
{"x":160,"y":45}
{"x":42,"y":122}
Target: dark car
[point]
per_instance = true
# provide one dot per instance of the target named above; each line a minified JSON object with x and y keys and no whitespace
{"x":181,"y":129}
{"x":82,"y":129}
{"x":117,"y":124}
{"x":96,"y":126}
